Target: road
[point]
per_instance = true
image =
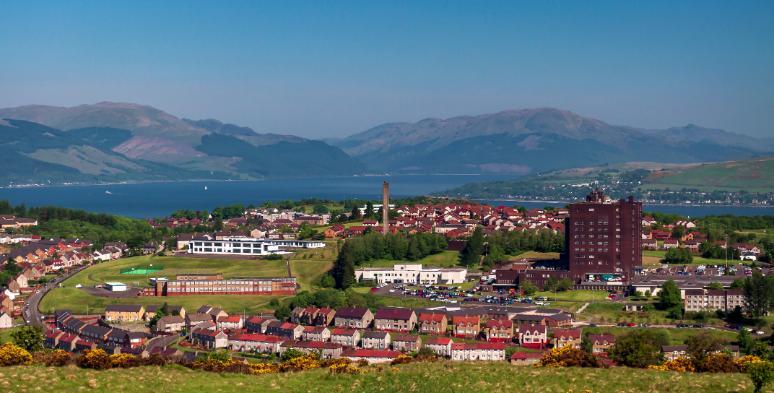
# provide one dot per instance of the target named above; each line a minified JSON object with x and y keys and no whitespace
{"x":31,"y":313}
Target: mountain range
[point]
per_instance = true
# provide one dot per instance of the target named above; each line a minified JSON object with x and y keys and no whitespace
{"x":111,"y":141}
{"x":534,"y":140}
{"x":117,"y":141}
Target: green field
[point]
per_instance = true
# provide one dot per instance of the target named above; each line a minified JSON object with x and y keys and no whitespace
{"x":439,"y":377}
{"x":442,"y":259}
{"x":697,"y":260}
{"x":748,"y":175}
{"x":306,"y":266}
{"x":676,"y":336}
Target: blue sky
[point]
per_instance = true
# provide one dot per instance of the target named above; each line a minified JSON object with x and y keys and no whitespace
{"x":322,"y":69}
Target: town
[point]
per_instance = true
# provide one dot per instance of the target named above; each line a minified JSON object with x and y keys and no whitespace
{"x":584,"y":278}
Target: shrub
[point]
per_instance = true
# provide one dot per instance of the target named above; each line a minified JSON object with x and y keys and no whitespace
{"x":401,"y":359}
{"x":568,"y":356}
{"x":761,"y":374}
{"x":56,"y":358}
{"x":154,"y":360}
{"x":344,"y":368}
{"x":123,"y":360}
{"x":14,"y":355}
{"x":210,"y":365}
{"x":680,"y":365}
{"x":747,"y":359}
{"x":300,"y":363}
{"x":263,"y":368}
{"x":718,"y":363}
{"x":96,"y":359}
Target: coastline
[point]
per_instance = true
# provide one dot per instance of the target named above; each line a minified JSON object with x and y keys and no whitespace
{"x":643,"y":203}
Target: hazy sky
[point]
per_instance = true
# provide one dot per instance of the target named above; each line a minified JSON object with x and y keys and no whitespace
{"x":321,"y":68}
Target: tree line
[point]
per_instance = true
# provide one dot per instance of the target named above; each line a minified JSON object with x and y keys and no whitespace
{"x":373,"y":245}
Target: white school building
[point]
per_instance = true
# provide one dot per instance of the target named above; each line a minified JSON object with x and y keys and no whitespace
{"x":246,"y":245}
{"x":412,"y":274}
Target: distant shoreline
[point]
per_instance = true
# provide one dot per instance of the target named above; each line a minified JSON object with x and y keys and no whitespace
{"x":134,"y":182}
{"x":644,"y":203}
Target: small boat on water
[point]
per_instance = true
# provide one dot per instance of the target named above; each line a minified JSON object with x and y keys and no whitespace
{"x":107,"y":192}
{"x":205,"y":188}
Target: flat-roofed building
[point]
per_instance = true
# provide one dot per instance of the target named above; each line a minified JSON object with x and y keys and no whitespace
{"x":412,"y":274}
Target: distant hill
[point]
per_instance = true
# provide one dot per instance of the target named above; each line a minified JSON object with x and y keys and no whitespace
{"x":748,"y":175}
{"x":105,"y":139}
{"x":735,"y":182}
{"x":534,"y":140}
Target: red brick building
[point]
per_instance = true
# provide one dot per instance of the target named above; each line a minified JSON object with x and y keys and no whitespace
{"x":604,"y":238}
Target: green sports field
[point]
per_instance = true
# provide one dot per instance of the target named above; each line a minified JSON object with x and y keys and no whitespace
{"x":307,"y":267}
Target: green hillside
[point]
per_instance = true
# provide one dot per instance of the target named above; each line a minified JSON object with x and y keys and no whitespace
{"x":438,"y":377}
{"x":749,"y":175}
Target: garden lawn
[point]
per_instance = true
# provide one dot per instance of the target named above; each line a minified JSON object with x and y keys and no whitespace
{"x":573,"y":296}
{"x":437,"y":377}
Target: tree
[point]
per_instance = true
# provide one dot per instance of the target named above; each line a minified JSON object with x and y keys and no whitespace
{"x":551,"y":284}
{"x":528,"y":288}
{"x":678,"y":255}
{"x":28,"y":337}
{"x":715,"y":285}
{"x":564,"y":284}
{"x":639,"y":348}
{"x":760,"y":373}
{"x":344,"y":268}
{"x":669,"y":296}
{"x":758,"y":294}
{"x":355,"y":214}
{"x":702,"y":345}
{"x":745,"y":341}
{"x":471,"y":253}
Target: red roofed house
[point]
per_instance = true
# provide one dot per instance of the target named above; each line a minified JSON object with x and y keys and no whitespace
{"x":372,"y":356}
{"x":345,"y":337}
{"x":316,"y":333}
{"x":209,"y":338}
{"x":353,"y":317}
{"x":432,"y":323}
{"x":395,"y":319}
{"x":262,"y":343}
{"x":526,"y":358}
{"x":440,"y":345}
{"x":326,"y":350}
{"x":466,"y":325}
{"x":564,"y":337}
{"x":601,"y":343}
{"x":499,"y":330}
{"x":533,"y":336}
{"x":478,"y":351}
{"x":231,"y":322}
{"x":406,"y":342}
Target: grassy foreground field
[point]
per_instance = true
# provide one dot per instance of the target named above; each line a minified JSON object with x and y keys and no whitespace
{"x":418,"y":377}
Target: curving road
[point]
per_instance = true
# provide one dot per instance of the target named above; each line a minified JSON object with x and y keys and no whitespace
{"x":31,"y":313}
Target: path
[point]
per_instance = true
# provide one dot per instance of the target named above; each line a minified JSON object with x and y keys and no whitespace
{"x":583,"y":307}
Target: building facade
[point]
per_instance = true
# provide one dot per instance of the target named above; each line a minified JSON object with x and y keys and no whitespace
{"x":604,"y":238}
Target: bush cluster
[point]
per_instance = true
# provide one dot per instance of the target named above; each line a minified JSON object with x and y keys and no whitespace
{"x":13,"y":355}
{"x":567,"y":356}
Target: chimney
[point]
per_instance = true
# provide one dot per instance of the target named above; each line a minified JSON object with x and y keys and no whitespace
{"x":386,"y":207}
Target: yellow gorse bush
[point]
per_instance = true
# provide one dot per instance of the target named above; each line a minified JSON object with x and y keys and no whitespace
{"x":300,"y":363}
{"x":13,"y":355}
{"x":680,"y":364}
